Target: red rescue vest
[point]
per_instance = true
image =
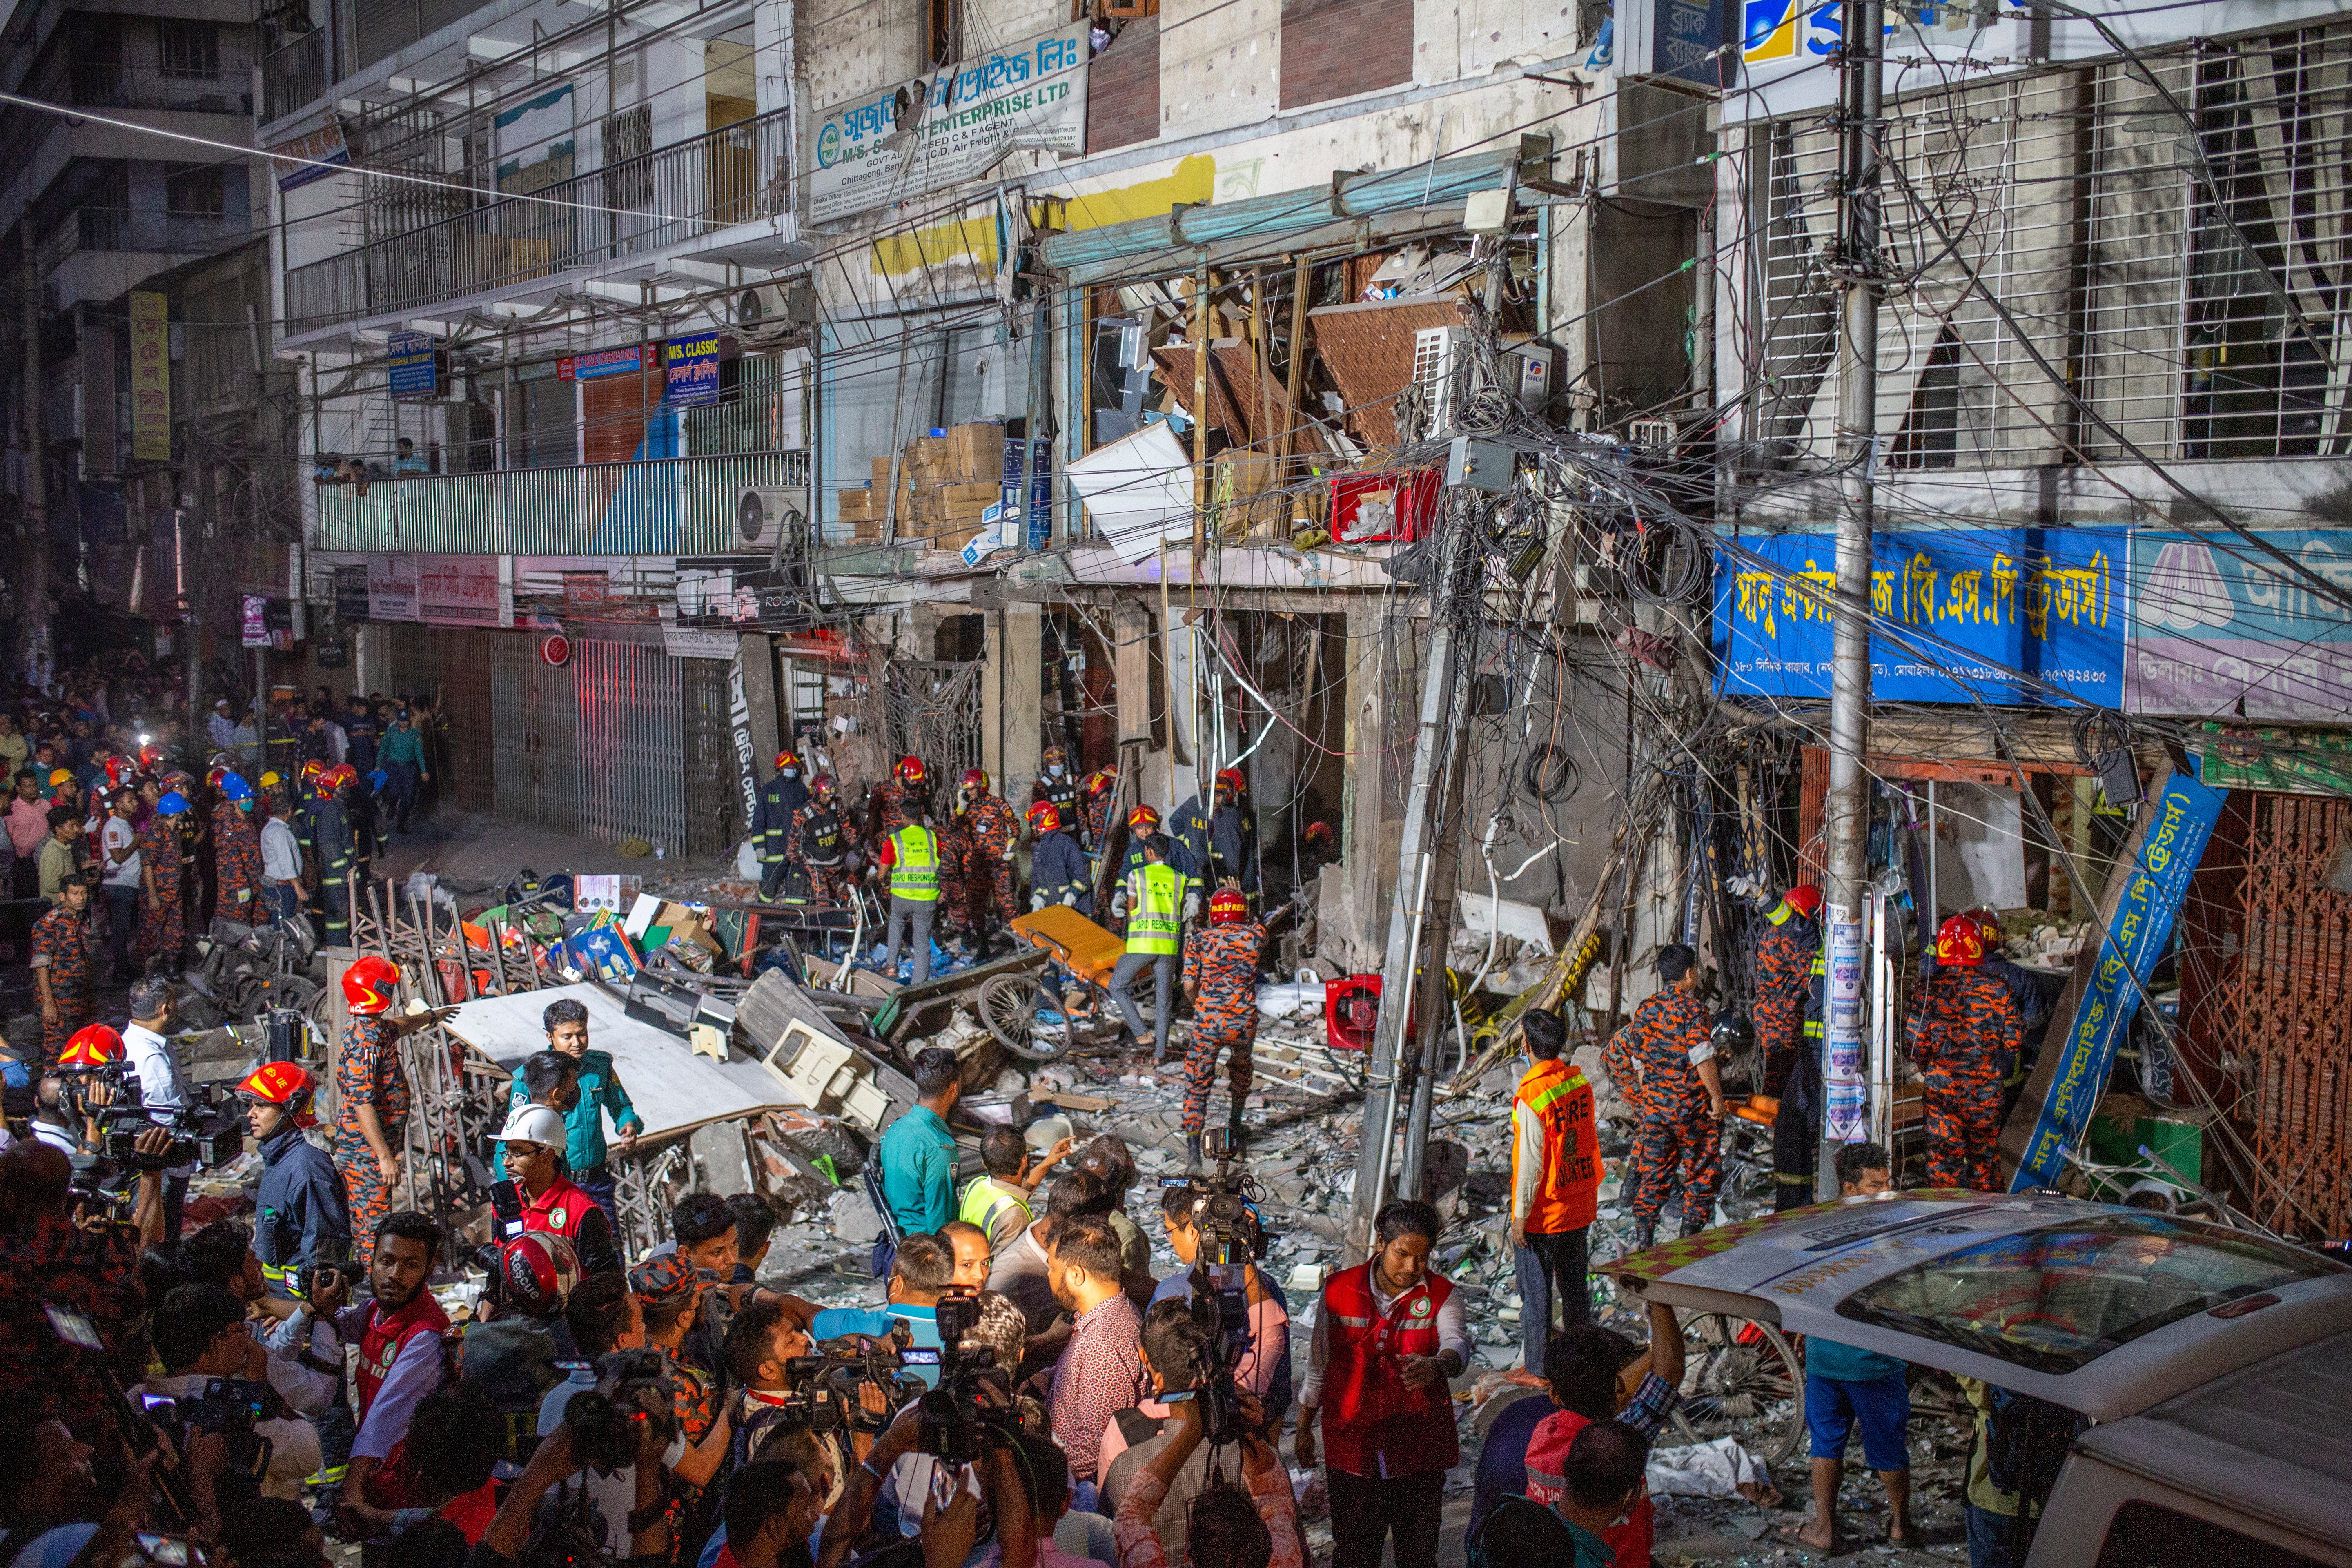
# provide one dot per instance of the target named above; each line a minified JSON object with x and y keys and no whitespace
{"x":558,"y":1210}
{"x":1373,"y":1423}
{"x":381,"y":1342}
{"x":1548,"y":1481}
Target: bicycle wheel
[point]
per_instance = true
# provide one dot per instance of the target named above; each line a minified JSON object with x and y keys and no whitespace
{"x":1008,"y":1005}
{"x":1740,"y":1379}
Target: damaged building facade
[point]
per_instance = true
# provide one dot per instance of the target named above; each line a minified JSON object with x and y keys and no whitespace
{"x":958,"y":380}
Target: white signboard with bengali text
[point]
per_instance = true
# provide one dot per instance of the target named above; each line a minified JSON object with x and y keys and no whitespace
{"x":962,"y":122}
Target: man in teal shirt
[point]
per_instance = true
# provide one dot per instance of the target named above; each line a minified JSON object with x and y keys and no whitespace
{"x":1846,"y":1386}
{"x":917,"y":1154}
{"x":402,"y":755}
{"x":601,"y":1092}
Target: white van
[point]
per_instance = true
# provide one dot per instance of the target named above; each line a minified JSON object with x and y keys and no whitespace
{"x":2216,"y":1365}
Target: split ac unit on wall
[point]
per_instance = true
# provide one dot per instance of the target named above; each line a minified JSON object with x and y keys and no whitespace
{"x":1446,"y":371}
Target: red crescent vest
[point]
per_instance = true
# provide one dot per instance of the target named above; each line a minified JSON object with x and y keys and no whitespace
{"x":1548,"y":1482}
{"x":1373,"y":1423}
{"x":557,"y":1211}
{"x":381,"y":1343}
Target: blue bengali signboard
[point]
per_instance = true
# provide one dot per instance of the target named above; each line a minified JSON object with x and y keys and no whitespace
{"x":1960,"y":609}
{"x":413,"y":366}
{"x":2184,"y":816}
{"x":692,"y":366}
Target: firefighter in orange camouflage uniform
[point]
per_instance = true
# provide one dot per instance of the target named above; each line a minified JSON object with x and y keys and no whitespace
{"x":1219,"y":980}
{"x":897,"y":801}
{"x":1784,"y":968}
{"x":1965,"y":1031}
{"x":1097,"y":798}
{"x":1666,"y":1055}
{"x":980,"y":838}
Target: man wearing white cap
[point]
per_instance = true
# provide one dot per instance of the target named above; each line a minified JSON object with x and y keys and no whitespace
{"x":551,"y":1202}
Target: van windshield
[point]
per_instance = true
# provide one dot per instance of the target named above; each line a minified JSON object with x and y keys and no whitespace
{"x":2053,"y":1300}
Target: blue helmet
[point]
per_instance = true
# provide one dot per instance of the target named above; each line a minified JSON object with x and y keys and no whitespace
{"x":377,"y":779}
{"x":235,"y":790}
{"x":172,"y":804}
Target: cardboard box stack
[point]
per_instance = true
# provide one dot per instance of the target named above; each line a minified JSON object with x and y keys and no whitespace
{"x":947,"y":481}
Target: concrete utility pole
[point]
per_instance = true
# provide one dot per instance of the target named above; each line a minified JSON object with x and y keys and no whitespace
{"x":37,"y":503}
{"x":1845,"y":810}
{"x":1416,"y":866}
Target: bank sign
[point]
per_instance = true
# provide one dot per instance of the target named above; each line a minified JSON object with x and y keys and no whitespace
{"x":1962,"y":614}
{"x":949,"y":126}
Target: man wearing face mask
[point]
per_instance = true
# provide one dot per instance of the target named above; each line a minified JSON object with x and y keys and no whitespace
{"x":1056,"y":786}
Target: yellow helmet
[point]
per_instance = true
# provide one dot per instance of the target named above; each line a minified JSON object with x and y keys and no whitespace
{"x":270,"y":781}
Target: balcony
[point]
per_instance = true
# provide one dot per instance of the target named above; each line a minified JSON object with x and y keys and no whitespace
{"x":105,"y":84}
{"x":97,"y":252}
{"x":632,"y":208}
{"x":667,"y":506}
{"x":294,"y":75}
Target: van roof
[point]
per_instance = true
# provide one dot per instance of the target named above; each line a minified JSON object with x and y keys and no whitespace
{"x":2270,"y":1439}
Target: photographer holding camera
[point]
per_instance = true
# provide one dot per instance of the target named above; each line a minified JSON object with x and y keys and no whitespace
{"x":215,"y":1378}
{"x":1217,"y":1236}
{"x":402,"y":1336}
{"x":162,"y":1085}
{"x":621,"y":1382}
{"x":523,"y":1528}
{"x":923,"y":1267}
{"x":1225,"y":1526}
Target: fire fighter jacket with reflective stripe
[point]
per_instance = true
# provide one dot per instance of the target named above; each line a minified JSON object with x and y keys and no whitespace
{"x":771,"y":820}
{"x":1784,"y":965}
{"x":1373,"y":1423}
{"x":823,"y":836}
{"x":298,"y":1205}
{"x":1556,"y":1093}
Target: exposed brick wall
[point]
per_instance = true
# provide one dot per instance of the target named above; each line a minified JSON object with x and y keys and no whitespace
{"x":1123,"y":89}
{"x":1337,"y":49}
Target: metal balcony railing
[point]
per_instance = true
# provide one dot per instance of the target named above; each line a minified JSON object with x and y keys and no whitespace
{"x":734,"y":174}
{"x":666,"y":506}
{"x":144,"y":228}
{"x":102,"y":84}
{"x":294,"y":74}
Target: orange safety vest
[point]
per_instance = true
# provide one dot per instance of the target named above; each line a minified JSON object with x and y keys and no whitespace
{"x":1558,"y":1095}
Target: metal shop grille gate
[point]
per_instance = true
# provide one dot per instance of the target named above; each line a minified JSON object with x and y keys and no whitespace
{"x":622,"y":743}
{"x":2281,"y":1012}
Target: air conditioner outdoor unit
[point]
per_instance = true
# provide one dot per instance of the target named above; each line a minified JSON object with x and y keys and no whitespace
{"x":766,"y":510}
{"x":1440,"y":365}
{"x":759,"y":305}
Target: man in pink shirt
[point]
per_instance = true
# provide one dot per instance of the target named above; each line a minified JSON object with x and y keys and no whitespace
{"x":28,"y":824}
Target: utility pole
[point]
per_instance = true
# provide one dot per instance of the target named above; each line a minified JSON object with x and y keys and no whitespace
{"x":1416,"y":869}
{"x":1846,"y":809}
{"x":38,"y":593}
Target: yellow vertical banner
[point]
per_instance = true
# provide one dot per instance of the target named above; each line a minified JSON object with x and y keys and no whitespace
{"x":150,"y":378}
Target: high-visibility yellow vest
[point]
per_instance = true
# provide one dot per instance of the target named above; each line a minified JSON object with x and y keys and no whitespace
{"x":915,"y":876}
{"x":1155,"y":908}
{"x":989,"y":1206}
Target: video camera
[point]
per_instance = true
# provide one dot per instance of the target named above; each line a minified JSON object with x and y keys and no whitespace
{"x":229,"y":1406}
{"x":208,"y":1131}
{"x":1232,"y":1239}
{"x":820,"y":1392}
{"x":632,"y":1385}
{"x":955,"y":1414}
